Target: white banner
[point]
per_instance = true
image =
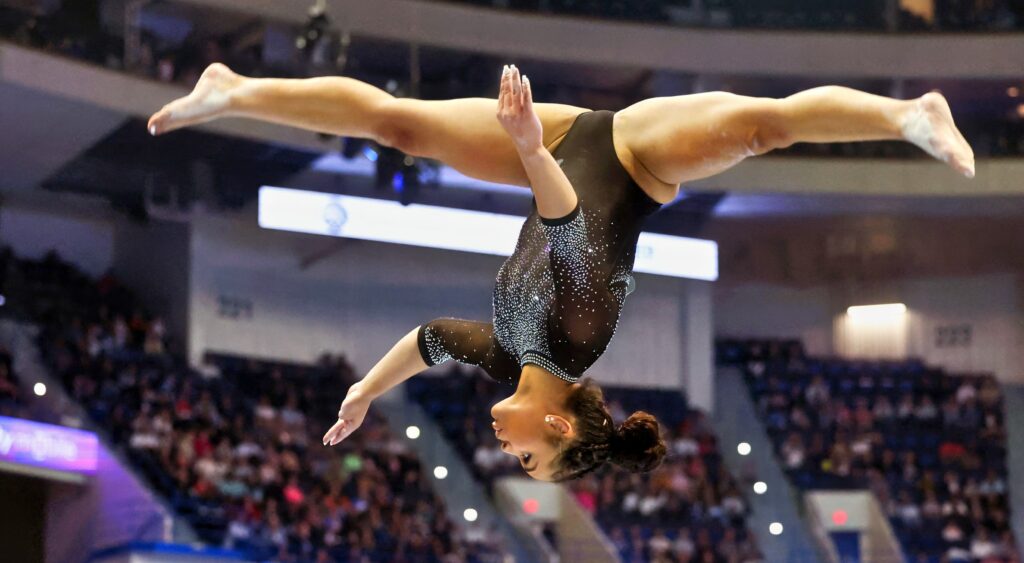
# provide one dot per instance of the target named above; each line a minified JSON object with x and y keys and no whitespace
{"x":379,"y":220}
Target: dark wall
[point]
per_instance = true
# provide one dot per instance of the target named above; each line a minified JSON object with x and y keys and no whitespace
{"x":22,"y":518}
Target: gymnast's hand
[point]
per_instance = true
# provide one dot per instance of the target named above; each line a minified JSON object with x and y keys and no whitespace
{"x":350,"y":415}
{"x":515,"y":111}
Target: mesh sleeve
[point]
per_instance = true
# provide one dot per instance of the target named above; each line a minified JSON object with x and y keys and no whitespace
{"x":585,"y":311}
{"x":467,"y":342}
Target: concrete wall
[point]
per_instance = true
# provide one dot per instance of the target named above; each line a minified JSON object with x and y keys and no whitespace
{"x":251,"y":295}
{"x":153,"y":259}
{"x":86,"y":238}
{"x":770,"y":311}
{"x":991,"y":306}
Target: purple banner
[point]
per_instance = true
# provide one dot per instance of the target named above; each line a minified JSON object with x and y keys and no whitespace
{"x":45,"y":445}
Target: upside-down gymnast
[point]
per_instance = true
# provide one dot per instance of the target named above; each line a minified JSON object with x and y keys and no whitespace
{"x":557,"y":299}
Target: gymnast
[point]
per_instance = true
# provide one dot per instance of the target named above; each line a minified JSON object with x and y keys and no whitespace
{"x":557,"y":299}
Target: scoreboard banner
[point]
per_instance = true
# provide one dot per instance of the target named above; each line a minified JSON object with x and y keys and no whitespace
{"x":47,"y":446}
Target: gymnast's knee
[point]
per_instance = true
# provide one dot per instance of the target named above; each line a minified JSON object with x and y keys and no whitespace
{"x":771,"y":128}
{"x":394,"y":127}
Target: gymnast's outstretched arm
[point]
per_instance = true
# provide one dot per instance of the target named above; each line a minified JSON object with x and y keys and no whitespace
{"x":551,"y":188}
{"x":436,"y":342}
{"x":400,"y":363}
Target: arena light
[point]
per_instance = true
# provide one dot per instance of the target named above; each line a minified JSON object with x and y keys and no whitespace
{"x":3,"y":300}
{"x":884,"y":312}
{"x":743,"y":448}
{"x":760,"y":487}
{"x":840,"y":517}
{"x":412,"y":432}
{"x":431,"y":226}
{"x":775,"y":529}
{"x":39,"y":389}
{"x":440,"y":472}
{"x":470,"y":515}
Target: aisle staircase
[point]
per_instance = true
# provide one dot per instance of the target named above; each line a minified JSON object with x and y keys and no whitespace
{"x":736,"y":421}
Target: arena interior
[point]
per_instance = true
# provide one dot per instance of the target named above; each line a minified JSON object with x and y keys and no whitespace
{"x":832,"y":335}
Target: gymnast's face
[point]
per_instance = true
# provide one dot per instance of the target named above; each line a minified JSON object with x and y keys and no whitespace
{"x":528,"y":429}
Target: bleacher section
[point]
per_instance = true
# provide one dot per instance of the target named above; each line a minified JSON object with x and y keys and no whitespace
{"x":236,"y":448}
{"x":690,"y":508}
{"x":930,"y":445}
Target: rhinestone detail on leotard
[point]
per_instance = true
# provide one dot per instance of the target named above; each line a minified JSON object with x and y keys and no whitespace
{"x":557,"y":298}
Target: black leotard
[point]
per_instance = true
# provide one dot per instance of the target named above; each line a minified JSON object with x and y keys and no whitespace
{"x":557,"y":298}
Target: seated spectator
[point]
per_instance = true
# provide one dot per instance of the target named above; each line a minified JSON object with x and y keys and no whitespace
{"x":883,"y":410}
{"x":230,"y":449}
{"x":659,"y":544}
{"x":817,"y":392}
{"x":793,"y":452}
{"x":947,"y":480}
{"x":926,"y":411}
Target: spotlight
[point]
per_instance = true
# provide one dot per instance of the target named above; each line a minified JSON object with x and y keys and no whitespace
{"x":470,"y":515}
{"x":743,"y":448}
{"x":885,"y":312}
{"x":3,"y":300}
{"x":370,"y":154}
{"x":440,"y":472}
{"x":407,"y":181}
{"x":412,"y":432}
{"x":760,"y":487}
{"x":39,"y":389}
{"x":775,"y":529}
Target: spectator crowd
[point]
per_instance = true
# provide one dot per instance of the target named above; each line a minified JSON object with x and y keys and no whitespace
{"x":931,"y":446}
{"x":235,"y":448}
{"x":688,"y":509}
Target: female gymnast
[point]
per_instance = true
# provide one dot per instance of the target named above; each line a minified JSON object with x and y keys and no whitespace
{"x":557,"y":298}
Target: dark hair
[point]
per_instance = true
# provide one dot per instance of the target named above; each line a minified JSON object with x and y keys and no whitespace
{"x":635,"y":445}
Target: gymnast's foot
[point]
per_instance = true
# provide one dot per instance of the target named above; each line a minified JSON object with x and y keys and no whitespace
{"x":929,"y":125}
{"x":208,"y":100}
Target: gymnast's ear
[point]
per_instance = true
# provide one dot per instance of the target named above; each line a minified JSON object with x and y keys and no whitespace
{"x":560,"y":424}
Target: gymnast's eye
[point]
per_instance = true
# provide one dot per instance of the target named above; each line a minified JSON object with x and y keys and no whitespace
{"x":526,"y":458}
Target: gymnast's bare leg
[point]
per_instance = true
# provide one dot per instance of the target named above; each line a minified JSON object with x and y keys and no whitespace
{"x":661,"y":141}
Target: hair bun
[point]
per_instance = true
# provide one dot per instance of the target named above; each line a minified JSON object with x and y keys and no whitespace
{"x":637,"y":444}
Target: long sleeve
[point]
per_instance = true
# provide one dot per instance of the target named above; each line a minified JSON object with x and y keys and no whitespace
{"x":585,"y":310}
{"x":467,"y":342}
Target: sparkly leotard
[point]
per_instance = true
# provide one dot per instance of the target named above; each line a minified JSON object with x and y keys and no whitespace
{"x":557,"y":298}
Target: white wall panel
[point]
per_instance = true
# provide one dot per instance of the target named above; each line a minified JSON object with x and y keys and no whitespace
{"x":365,"y":296}
{"x":991,"y":306}
{"x":85,"y":240}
